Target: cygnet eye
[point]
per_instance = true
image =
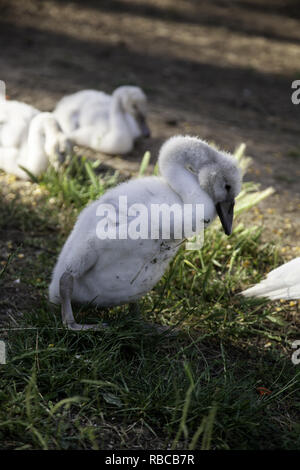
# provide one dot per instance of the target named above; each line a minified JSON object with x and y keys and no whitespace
{"x":191,"y":169}
{"x":227,"y":187}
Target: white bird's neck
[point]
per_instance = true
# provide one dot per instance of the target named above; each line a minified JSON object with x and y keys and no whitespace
{"x":173,"y":168}
{"x":117,"y":119}
{"x":43,"y":127}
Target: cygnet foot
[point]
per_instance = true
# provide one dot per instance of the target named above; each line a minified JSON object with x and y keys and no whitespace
{"x":66,"y":289}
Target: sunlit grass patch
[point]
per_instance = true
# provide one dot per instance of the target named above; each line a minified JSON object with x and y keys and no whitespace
{"x":78,"y":183}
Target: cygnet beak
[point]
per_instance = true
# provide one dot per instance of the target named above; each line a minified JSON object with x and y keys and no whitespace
{"x":141,"y":120}
{"x":225,"y":213}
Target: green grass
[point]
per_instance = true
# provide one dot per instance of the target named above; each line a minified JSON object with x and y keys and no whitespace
{"x":78,"y":183}
{"x":128,"y":387}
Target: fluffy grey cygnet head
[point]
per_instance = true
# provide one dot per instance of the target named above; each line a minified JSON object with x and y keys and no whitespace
{"x":222,"y":182}
{"x":220,"y":177}
{"x":217,"y":172}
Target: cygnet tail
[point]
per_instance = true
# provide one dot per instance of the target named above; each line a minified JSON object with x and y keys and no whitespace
{"x":281,"y":283}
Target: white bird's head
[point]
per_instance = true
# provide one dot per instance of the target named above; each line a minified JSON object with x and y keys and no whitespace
{"x":222,"y":182}
{"x":215,"y":172}
{"x":134,"y":102}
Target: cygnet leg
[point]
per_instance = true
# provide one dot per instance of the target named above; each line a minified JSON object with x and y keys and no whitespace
{"x":66,"y":289}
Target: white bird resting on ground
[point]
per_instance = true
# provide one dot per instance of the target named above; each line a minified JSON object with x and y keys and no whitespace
{"x":105,"y":123}
{"x":281,"y":283}
{"x":114,"y":271}
{"x":29,"y":139}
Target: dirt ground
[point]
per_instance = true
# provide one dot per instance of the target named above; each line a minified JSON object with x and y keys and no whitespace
{"x":221,"y":70}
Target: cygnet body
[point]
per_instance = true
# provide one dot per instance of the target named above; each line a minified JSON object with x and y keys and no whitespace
{"x":281,"y":283}
{"x":113,"y":271}
{"x":105,"y":123}
{"x":29,"y":139}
